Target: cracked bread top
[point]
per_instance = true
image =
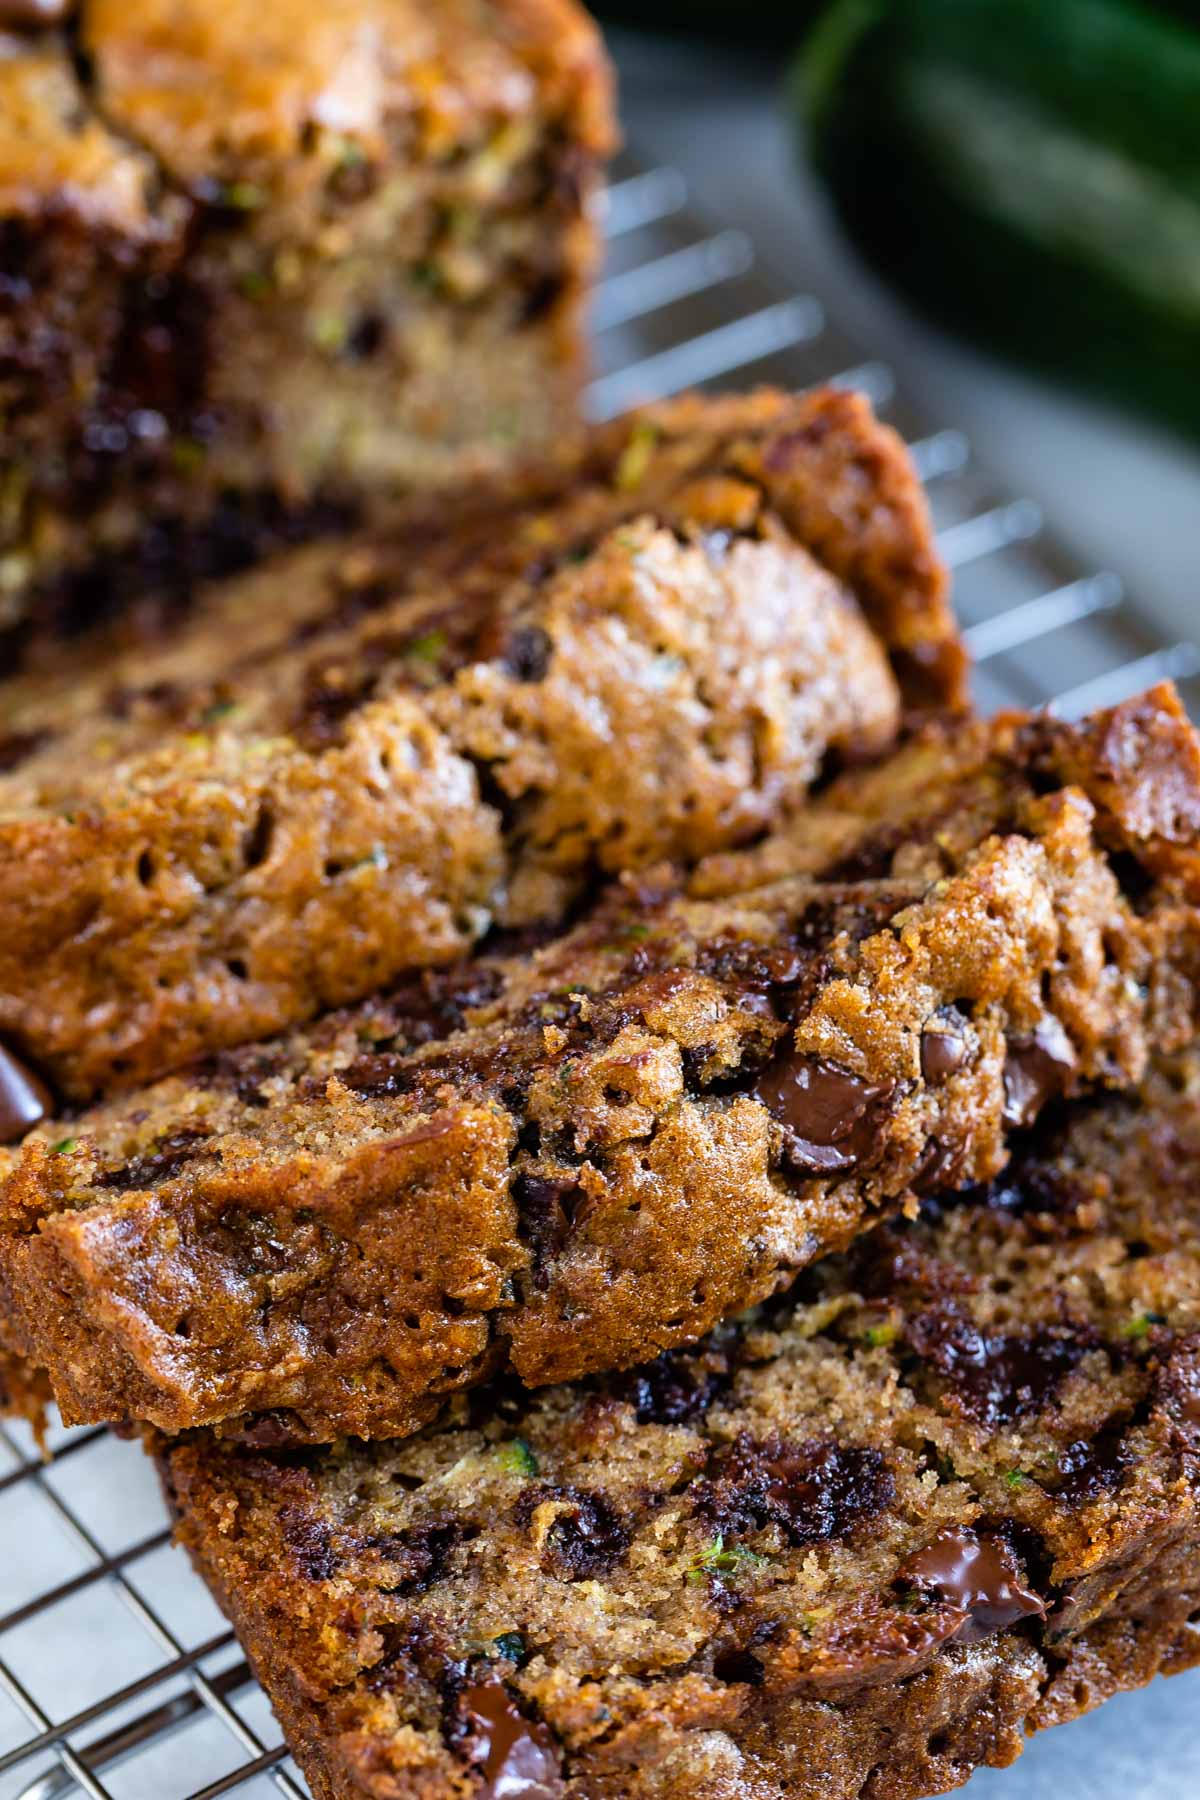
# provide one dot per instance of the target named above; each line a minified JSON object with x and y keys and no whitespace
{"x":354,"y":760}
{"x":856,"y":1543}
{"x":568,"y":1159}
{"x":111,"y":117}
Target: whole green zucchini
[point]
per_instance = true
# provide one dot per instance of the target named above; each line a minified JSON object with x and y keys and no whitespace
{"x":1028,"y":170}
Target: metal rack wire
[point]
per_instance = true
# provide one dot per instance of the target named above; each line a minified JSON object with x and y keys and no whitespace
{"x":118,"y":1678}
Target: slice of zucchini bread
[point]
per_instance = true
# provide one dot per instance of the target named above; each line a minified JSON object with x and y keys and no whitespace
{"x":849,"y":1548}
{"x":566,"y":1161}
{"x":268,"y":254}
{"x":356,"y":759}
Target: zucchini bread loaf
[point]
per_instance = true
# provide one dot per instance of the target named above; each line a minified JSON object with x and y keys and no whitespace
{"x":355,"y":760}
{"x":849,"y":1548}
{"x":568,"y":1161}
{"x":265,"y":255}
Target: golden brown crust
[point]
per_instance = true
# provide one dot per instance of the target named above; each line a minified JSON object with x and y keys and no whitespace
{"x":441,"y":77}
{"x":355,"y":760}
{"x":267,"y":260}
{"x":850,"y":1548}
{"x":570,"y":1159}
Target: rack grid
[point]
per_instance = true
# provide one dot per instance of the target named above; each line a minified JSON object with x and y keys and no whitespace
{"x":118,"y":1678}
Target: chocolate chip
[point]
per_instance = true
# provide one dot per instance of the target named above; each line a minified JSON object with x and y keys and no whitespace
{"x":943,"y":1054}
{"x":1000,"y":1377}
{"x":814,"y":1491}
{"x":1037,"y":1070}
{"x":311,"y":1543}
{"x":367,"y":337}
{"x":420,"y":1553}
{"x":587,"y":1537}
{"x":937,"y":1170}
{"x":514,"y":1755}
{"x":1094,"y":1466}
{"x":547,"y":1210}
{"x":832,"y":1116}
{"x":671,"y":1390}
{"x":164,"y":1162}
{"x":978,"y":1577}
{"x":528,"y":653}
{"x":25,"y":1100}
{"x":17,"y":746}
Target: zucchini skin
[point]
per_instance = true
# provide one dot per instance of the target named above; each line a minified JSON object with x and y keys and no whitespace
{"x":1029,"y":172}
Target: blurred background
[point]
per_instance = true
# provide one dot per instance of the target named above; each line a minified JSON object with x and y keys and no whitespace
{"x":1105,"y":428}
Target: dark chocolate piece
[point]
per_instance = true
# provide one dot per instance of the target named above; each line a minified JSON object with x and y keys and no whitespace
{"x":513,"y":1752}
{"x":1000,"y":1376}
{"x":815,"y":1491}
{"x":831,"y":1115}
{"x":588,"y":1536}
{"x":943,"y":1054}
{"x":1038,"y":1069}
{"x":24,"y":1099}
{"x":977,"y":1576}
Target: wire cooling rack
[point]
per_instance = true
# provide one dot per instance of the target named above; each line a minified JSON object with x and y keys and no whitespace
{"x":118,"y":1677}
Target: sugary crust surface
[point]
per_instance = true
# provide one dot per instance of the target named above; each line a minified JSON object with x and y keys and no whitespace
{"x":263,"y":260}
{"x":849,"y":1548}
{"x":357,"y":759}
{"x":443,"y":74}
{"x":436,"y":78}
{"x":570,"y":1159}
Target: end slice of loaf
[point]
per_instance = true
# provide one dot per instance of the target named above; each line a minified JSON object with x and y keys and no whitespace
{"x":266,"y":263}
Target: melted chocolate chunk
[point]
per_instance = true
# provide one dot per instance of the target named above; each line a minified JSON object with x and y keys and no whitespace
{"x":996,"y":1378}
{"x":1028,"y":1187}
{"x":547,"y":1210}
{"x":745,"y":963}
{"x":976,"y":1575}
{"x":330,"y":697}
{"x":435,"y":1004}
{"x":25,"y":1099}
{"x":671,"y":1390}
{"x":814,"y":1491}
{"x":165,"y":1161}
{"x":1094,"y":1466}
{"x":943,"y":1053}
{"x":311,"y":1542}
{"x":1038,"y":1069}
{"x":528,"y":653}
{"x":937,"y":1170}
{"x":18,"y":746}
{"x":870,"y":859}
{"x":515,"y":1755}
{"x":833,"y":1118}
{"x":588,"y":1536}
{"x":421,"y":1551}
